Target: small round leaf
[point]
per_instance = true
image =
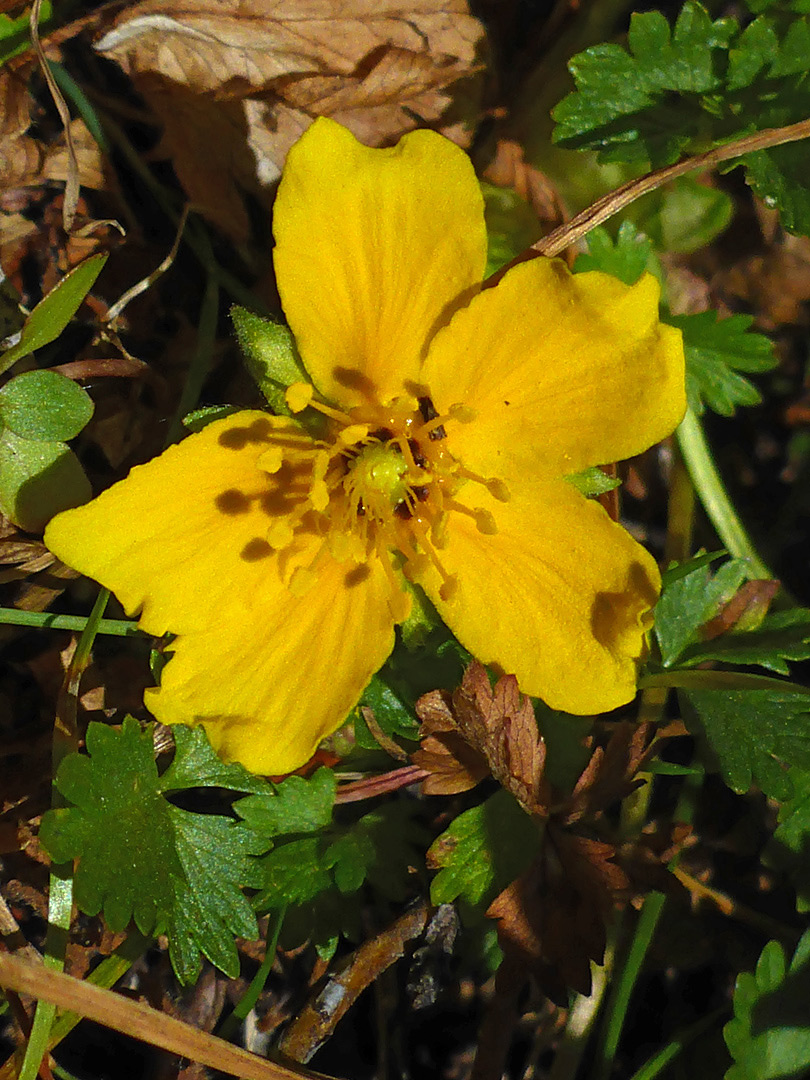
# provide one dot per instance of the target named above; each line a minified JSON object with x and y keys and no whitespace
{"x":44,"y":405}
{"x":38,"y":480}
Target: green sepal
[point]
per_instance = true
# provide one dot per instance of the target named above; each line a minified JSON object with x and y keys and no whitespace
{"x":270,"y":355}
{"x":592,"y":482}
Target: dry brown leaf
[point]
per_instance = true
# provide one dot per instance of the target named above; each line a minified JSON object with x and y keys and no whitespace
{"x":480,"y":729}
{"x":248,"y":77}
{"x":551,"y":920}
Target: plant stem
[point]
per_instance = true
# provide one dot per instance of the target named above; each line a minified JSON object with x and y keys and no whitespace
{"x":622,"y":989}
{"x":714,"y":497}
{"x":46,"y":620}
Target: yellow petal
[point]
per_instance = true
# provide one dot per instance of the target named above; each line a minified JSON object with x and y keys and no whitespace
{"x":269,"y":682}
{"x":560,"y":596}
{"x":374,"y":251}
{"x":564,"y":371}
{"x":185,"y":539}
{"x":186,"y":531}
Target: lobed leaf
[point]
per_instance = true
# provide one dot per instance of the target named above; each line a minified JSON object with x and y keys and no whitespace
{"x":141,"y":857}
{"x":717,"y":350}
{"x":769,"y":1036}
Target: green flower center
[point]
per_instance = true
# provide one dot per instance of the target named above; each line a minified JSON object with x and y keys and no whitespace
{"x":378,"y":476}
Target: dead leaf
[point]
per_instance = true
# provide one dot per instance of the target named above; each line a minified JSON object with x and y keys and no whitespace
{"x":249,"y":76}
{"x":480,"y":729}
{"x":551,"y":920}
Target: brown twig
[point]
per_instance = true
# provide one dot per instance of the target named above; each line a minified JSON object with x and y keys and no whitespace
{"x":139,"y":1021}
{"x":321,"y":1015}
{"x":380,"y":785}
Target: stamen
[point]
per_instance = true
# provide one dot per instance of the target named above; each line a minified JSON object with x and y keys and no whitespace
{"x":449,"y":582}
{"x":484,"y":521}
{"x":299,"y":396}
{"x":352,"y":434}
{"x":462,"y":414}
{"x":497,"y":488}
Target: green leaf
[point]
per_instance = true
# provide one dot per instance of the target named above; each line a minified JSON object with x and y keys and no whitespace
{"x":683,"y":216}
{"x":316,"y":867}
{"x":625,"y":258}
{"x":141,"y":857}
{"x":692,"y":599}
{"x":781,"y":636}
{"x":201,"y":418}
{"x":392,"y":714}
{"x":52,"y":314}
{"x":298,"y":806}
{"x":38,"y":480}
{"x":44,"y":405}
{"x":593,"y":481}
{"x":779,"y":176}
{"x":769,"y":1036}
{"x":717,"y":350}
{"x":15,"y":34}
{"x":789,"y":848}
{"x":623,"y":100}
{"x":482,"y":851}
{"x":752,"y":734}
{"x":196,"y":765}
{"x":270,"y":355}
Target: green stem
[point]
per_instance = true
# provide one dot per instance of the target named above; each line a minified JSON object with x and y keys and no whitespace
{"x":201,"y":362}
{"x":622,"y":989}
{"x":659,"y":1061}
{"x":48,"y":621}
{"x":251,"y":995}
{"x":712,"y":493}
{"x":60,"y":893}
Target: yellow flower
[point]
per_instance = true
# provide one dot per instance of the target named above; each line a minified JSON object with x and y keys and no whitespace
{"x":453,"y":415}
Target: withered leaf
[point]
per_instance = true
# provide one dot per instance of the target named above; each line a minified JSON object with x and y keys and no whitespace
{"x":480,"y":729}
{"x":552,"y":919}
{"x":250,"y":75}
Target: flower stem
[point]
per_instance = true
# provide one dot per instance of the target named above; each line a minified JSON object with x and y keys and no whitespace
{"x":712,"y":493}
{"x":48,"y":621}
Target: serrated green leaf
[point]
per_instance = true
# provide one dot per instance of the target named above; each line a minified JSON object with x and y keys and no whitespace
{"x":753,"y":735}
{"x":44,"y":405}
{"x":38,"y":480}
{"x":692,"y":599}
{"x":52,"y":314}
{"x":625,"y":258}
{"x":781,"y":636}
{"x":717,"y":350}
{"x":297,"y":806}
{"x":789,"y":848}
{"x":142,"y":858}
{"x":482,"y":851}
{"x":779,"y":178}
{"x":769,"y":1037}
{"x":756,"y":48}
{"x":196,"y":765}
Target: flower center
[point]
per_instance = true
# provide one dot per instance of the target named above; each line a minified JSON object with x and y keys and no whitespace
{"x":382,"y":480}
{"x":378,"y":476}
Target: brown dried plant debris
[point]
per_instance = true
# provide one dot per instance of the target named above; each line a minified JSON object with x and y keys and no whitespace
{"x":552,"y":919}
{"x":248,"y":76}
